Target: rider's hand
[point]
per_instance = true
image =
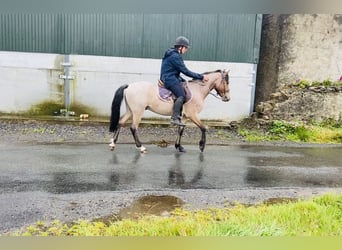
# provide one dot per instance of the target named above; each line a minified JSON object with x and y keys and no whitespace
{"x":205,"y":78}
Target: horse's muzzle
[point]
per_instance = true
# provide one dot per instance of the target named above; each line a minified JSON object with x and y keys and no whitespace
{"x":225,"y":98}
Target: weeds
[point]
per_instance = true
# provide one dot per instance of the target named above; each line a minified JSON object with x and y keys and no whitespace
{"x":328,"y":131}
{"x":320,"y":216}
{"x":325,"y":83}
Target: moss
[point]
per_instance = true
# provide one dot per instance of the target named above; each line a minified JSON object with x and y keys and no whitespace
{"x":48,"y":108}
{"x":45,"y":108}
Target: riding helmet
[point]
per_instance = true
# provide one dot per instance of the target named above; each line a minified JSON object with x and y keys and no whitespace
{"x":182,"y":41}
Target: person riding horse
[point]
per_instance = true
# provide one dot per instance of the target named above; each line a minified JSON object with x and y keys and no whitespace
{"x":171,"y":67}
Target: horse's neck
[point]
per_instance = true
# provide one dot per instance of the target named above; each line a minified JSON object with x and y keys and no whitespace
{"x":203,"y":87}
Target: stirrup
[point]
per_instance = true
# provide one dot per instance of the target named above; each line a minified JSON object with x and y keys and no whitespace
{"x":177,"y":122}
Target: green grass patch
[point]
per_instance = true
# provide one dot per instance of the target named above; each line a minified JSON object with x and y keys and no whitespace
{"x":303,"y":83}
{"x":324,"y":132}
{"x":320,"y":216}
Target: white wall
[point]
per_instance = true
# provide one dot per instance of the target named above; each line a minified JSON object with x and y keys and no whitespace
{"x":30,"y":78}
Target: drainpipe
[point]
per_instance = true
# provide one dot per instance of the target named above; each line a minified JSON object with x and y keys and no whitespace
{"x":253,"y":83}
{"x":67,"y":77}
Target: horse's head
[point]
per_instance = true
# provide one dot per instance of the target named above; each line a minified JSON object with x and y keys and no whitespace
{"x":221,"y":85}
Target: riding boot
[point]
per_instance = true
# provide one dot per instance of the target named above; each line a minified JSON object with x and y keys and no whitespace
{"x":177,"y":112}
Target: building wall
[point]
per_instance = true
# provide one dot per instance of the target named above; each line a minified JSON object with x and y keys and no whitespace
{"x":29,"y":79}
{"x":214,"y":37}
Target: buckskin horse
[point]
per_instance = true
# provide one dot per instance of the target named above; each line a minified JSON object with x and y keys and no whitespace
{"x":141,"y":96}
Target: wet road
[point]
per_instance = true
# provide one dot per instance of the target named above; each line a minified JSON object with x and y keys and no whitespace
{"x":64,"y":181}
{"x":85,"y":168}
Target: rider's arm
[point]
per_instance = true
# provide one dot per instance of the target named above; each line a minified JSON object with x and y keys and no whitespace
{"x":178,"y":62}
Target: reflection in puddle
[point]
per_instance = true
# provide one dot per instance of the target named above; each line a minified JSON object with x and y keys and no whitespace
{"x":151,"y":205}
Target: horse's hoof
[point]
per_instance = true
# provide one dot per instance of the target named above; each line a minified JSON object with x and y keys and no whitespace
{"x":112,"y":146}
{"x":180,"y":149}
{"x":142,"y":149}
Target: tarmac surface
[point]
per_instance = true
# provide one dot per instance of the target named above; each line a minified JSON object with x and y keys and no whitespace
{"x":65,"y":171}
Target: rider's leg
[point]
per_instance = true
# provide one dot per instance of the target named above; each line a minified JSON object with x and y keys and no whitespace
{"x":177,"y":112}
{"x":178,"y":91}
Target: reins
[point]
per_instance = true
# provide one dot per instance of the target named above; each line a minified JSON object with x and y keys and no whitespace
{"x":215,"y":95}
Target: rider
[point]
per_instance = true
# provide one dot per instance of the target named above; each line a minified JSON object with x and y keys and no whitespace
{"x":172,"y":66}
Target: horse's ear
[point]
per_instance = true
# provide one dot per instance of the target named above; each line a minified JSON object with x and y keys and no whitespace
{"x":226,"y":71}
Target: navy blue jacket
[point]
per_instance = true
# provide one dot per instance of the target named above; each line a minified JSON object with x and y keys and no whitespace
{"x":172,"y":66}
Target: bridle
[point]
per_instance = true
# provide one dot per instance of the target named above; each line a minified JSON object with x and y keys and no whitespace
{"x":225,"y":90}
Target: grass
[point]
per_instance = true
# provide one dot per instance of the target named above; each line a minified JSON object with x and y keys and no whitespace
{"x":327,"y":131}
{"x":320,"y":216}
{"x":303,"y":83}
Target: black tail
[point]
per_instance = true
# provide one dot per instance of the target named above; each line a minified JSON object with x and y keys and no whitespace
{"x":116,"y":104}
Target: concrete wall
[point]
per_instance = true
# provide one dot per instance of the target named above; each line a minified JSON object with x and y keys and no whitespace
{"x":313,"y":45}
{"x":28,"y":79}
{"x":298,"y":46}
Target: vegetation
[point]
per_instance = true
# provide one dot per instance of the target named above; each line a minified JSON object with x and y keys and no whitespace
{"x":327,"y":131}
{"x":326,"y":83}
{"x":320,"y":216}
{"x":49,"y":108}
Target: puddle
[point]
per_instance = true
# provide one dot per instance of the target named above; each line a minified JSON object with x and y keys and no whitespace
{"x":151,"y":205}
{"x":269,"y":201}
{"x":279,"y":200}
{"x":146,"y":205}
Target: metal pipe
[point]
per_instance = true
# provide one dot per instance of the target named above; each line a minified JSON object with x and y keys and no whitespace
{"x":67,"y":82}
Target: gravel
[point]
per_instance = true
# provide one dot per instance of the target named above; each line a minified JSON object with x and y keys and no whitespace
{"x":64,"y":131}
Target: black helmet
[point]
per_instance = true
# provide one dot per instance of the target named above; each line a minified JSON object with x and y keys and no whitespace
{"x":182,"y":41}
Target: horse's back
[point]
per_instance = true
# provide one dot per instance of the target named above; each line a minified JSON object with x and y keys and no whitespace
{"x":143,"y":91}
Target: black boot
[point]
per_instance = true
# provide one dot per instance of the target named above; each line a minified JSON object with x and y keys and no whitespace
{"x":177,"y":111}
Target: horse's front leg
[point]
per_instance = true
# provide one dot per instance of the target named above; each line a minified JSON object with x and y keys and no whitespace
{"x":202,"y":142}
{"x":178,"y":145}
{"x":138,"y":144}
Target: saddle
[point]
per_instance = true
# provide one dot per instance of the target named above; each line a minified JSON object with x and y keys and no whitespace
{"x":167,"y":95}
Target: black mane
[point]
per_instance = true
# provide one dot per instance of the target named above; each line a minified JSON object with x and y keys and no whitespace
{"x":206,"y":73}
{"x":216,"y":71}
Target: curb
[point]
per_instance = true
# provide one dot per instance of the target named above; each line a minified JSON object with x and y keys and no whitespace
{"x":104,"y":120}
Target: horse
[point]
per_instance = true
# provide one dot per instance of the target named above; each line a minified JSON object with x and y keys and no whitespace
{"x":141,"y":96}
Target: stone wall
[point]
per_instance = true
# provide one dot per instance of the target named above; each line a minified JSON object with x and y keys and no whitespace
{"x":293,"y":103}
{"x":313,"y":45}
{"x":298,"y":46}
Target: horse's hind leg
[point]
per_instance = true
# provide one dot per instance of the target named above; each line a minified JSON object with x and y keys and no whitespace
{"x":134,"y":130}
{"x":114,"y":139}
{"x":116,"y":132}
{"x":138,"y":144}
{"x":178,"y":145}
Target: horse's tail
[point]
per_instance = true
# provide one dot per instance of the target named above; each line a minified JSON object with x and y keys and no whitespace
{"x":116,"y":104}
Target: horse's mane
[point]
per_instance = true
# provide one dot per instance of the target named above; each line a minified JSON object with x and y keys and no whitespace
{"x":215,"y":71}
{"x":206,"y":73}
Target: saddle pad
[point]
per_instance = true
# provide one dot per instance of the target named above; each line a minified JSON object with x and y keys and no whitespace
{"x":166,"y":95}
